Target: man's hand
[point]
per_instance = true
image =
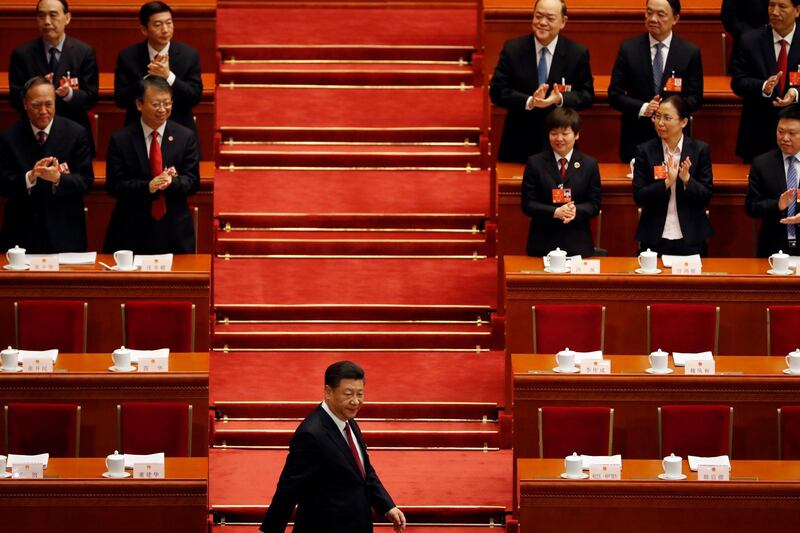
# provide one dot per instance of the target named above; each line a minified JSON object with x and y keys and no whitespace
{"x":771,"y":82}
{"x":791,"y":220}
{"x":397,"y":518}
{"x":159,"y":66}
{"x":47,"y":169}
{"x":555,"y":97}
{"x":565,"y":213}
{"x":652,"y":106}
{"x":786,"y":198}
{"x":788,"y":99}
{"x":160,"y":182}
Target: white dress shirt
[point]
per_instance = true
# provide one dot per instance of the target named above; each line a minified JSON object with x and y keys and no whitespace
{"x":666,"y":43}
{"x":340,"y":424}
{"x":776,"y":41}
{"x":551,"y":49}
{"x":672,"y":225}
{"x":28,"y":182}
{"x":164,"y":52}
{"x":568,"y":157}
{"x":148,"y":136}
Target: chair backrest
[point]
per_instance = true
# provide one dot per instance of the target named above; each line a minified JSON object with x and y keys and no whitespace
{"x":152,"y":325}
{"x":580,"y":327}
{"x":152,"y":427}
{"x":781,"y":336}
{"x":703,"y":430}
{"x":46,"y":324}
{"x":584,"y":430}
{"x":34,"y":428}
{"x":686,"y":328}
{"x":789,"y":432}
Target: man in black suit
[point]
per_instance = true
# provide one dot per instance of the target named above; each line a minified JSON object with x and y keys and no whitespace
{"x":529,"y":86}
{"x":772,"y":189}
{"x":69,"y":63}
{"x":153,"y":166}
{"x":650,"y":66}
{"x":741,"y":16}
{"x":561,"y":190}
{"x":45,"y":169}
{"x":159,"y":55}
{"x":764,"y":73}
{"x":328,"y":474}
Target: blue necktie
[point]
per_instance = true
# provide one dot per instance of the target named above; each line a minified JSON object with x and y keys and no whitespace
{"x":543,"y":67}
{"x":658,"y":68}
{"x":791,"y":183}
{"x":53,"y":62}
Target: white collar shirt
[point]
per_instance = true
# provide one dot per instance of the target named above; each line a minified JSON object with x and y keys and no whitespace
{"x":340,"y":424}
{"x":672,"y":225}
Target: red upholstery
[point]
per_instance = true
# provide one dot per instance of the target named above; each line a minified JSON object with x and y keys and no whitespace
{"x":702,"y":430}
{"x":790,"y":432}
{"x":783,"y":337}
{"x":46,"y":324}
{"x":584,"y":430}
{"x":153,"y":325}
{"x":683,"y":327}
{"x":35,"y":428}
{"x":575,"y":326}
{"x":152,"y":427}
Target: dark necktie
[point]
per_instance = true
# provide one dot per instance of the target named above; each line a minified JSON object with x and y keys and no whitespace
{"x":783,"y":66}
{"x":658,"y":68}
{"x":53,"y":62}
{"x":159,"y":206}
{"x":542,"y":67}
{"x":563,"y":170}
{"x":41,"y":137}
{"x":353,"y":449}
{"x":791,"y":183}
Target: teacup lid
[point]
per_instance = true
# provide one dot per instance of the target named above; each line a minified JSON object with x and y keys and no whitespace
{"x":573,"y":456}
{"x":795,"y":352}
{"x":9,"y":350}
{"x":121,"y":349}
{"x":659,"y":352}
{"x":557,"y":251}
{"x":115,"y":454}
{"x":649,"y":252}
{"x":566,"y":351}
{"x":16,"y":249}
{"x":673,"y":457}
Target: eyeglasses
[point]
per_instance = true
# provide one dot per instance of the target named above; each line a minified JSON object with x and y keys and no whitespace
{"x":658,"y":117}
{"x":161,"y":105}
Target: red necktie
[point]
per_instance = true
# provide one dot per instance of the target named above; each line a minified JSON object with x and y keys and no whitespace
{"x":783,"y":66}
{"x":159,"y":206}
{"x":563,"y":171}
{"x":353,"y":449}
{"x":41,"y":137}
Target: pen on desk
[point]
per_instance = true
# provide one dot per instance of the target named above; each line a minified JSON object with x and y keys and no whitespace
{"x":104,"y":265}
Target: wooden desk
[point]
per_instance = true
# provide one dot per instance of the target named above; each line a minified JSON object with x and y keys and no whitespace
{"x":754,"y":386}
{"x":190,"y":279}
{"x":74,"y":498}
{"x":761,"y":496}
{"x":735,"y":231}
{"x":741,"y":288}
{"x":85,"y":379}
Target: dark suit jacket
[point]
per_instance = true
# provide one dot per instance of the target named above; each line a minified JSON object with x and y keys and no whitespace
{"x":754,"y":62}
{"x":632,"y":85}
{"x":540,"y":178}
{"x":77,"y":57}
{"x":766,"y":183}
{"x":741,"y":16}
{"x":184,"y":62}
{"x":127,"y":179}
{"x":47,"y":219}
{"x":321,"y":477}
{"x":516,"y":78}
{"x":653,"y":197}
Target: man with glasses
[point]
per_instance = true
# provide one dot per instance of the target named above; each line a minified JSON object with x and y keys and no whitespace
{"x":159,"y":55}
{"x":153,"y":166}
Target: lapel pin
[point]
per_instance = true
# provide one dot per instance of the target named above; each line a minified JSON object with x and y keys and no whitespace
{"x":170,"y":138}
{"x":577,"y":164}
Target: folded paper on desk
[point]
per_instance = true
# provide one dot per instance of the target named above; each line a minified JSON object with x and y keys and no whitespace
{"x":587,"y":356}
{"x":67,"y":258}
{"x":163,"y":259}
{"x":40,"y":459}
{"x":695,"y":461}
{"x":668,"y":260}
{"x":136,"y":354}
{"x":680,"y":358}
{"x":589,"y":460}
{"x":42,"y":354}
{"x":131,"y":459}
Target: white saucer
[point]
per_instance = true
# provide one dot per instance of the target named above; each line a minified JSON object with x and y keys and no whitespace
{"x":4,"y":475}
{"x":117,"y":268}
{"x":777,"y":273}
{"x":654,"y":371}
{"x":116,"y":476}
{"x":117,"y":369}
{"x":9,"y":267}
{"x":789,"y":371}
{"x":572,"y":370}
{"x":643,"y":271}
{"x":19,"y":369}
{"x":671,"y":478}
{"x":582,"y":475}
{"x":551,"y":270}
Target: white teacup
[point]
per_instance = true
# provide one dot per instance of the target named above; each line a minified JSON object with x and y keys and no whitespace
{"x":793,"y":362}
{"x":673,"y":465}
{"x":558,"y":259}
{"x":659,"y":360}
{"x":121,"y":358}
{"x":115,"y":463}
{"x":124,"y":258}
{"x":10,"y":358}
{"x":779,"y":262}
{"x":16,"y":257}
{"x":565,"y":359}
{"x":648,"y":261}
{"x":573,"y":464}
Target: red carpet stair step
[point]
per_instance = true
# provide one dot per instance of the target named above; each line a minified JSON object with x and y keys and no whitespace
{"x":379,"y":528}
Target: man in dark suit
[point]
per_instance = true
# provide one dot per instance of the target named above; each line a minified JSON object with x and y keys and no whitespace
{"x":159,"y":55}
{"x":764,"y":73}
{"x":648,"y":67}
{"x":772,"y":189}
{"x":529,"y":85}
{"x":561,"y":190}
{"x":153,"y":166}
{"x":741,"y":16}
{"x":328,"y":474}
{"x":69,"y":63}
{"x":45,"y":169}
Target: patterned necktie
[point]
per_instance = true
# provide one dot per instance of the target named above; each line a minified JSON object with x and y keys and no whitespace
{"x":563,"y":171}
{"x":53,"y":61}
{"x":783,"y":66}
{"x":791,"y":183}
{"x":41,"y":137}
{"x":159,"y":206}
{"x":543,"y":67}
{"x":353,"y":449}
{"x":658,"y":68}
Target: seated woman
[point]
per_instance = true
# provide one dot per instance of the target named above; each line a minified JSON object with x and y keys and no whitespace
{"x":561,"y":190}
{"x":672,"y":184}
